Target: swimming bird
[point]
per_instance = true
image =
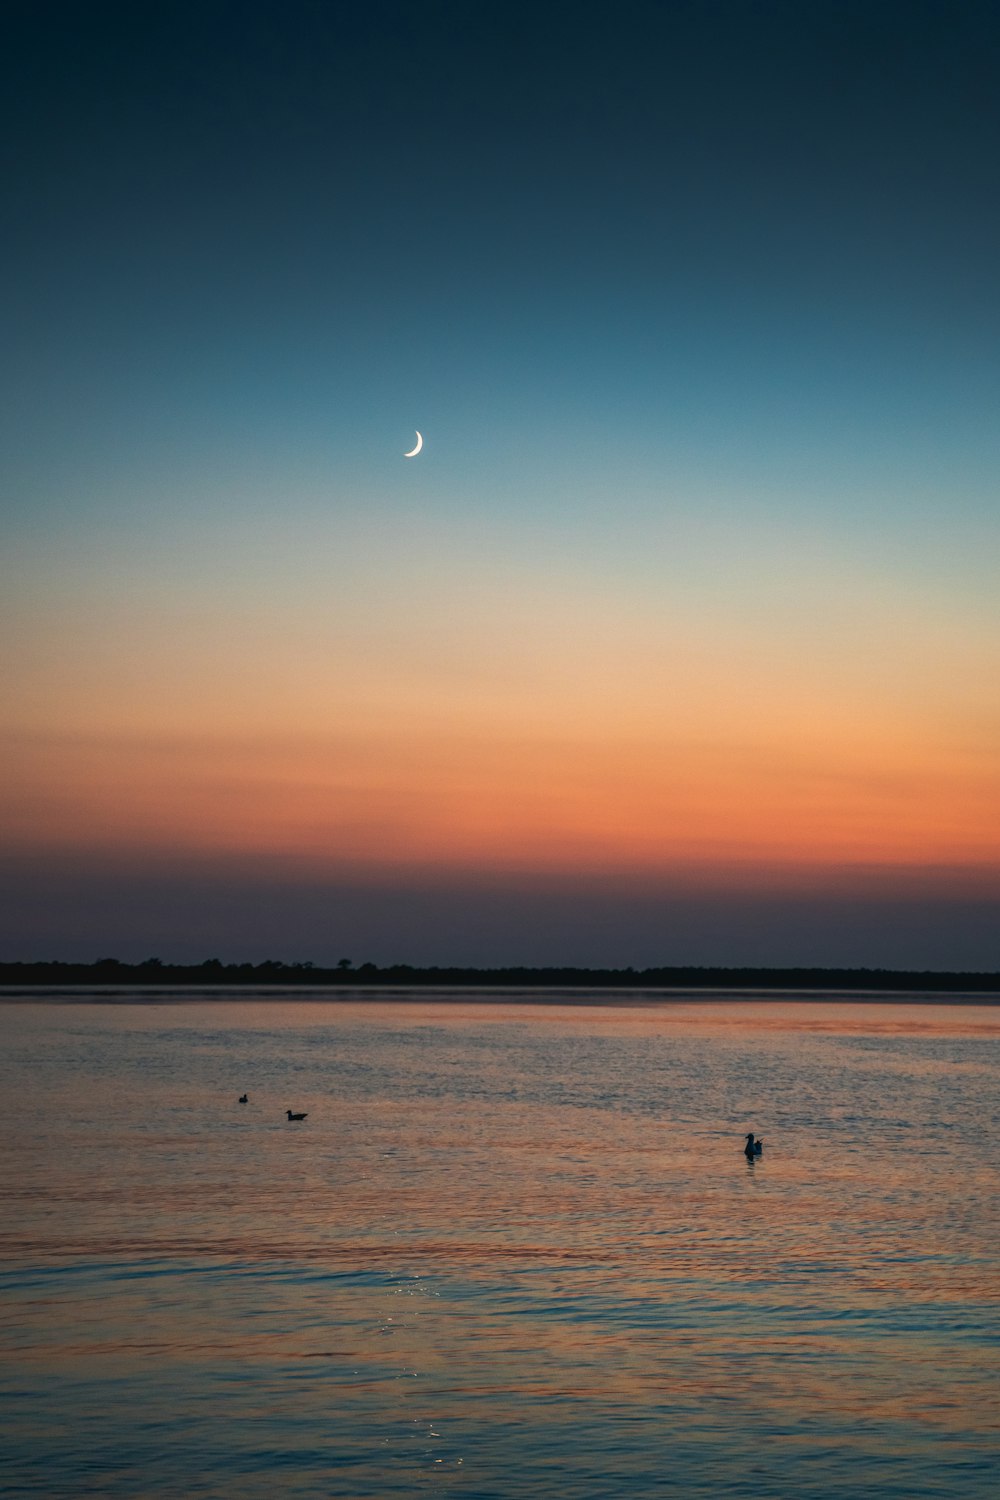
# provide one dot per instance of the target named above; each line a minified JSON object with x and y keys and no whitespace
{"x":292,"y":1116}
{"x":753,"y":1148}
{"x":243,"y":1099}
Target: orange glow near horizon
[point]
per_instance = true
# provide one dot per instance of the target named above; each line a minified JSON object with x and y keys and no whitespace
{"x":531,"y":713}
{"x":546,"y":805}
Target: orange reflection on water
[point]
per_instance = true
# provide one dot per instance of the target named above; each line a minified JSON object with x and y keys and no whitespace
{"x":536,"y":1215}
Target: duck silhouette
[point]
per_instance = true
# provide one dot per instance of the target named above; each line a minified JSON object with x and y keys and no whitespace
{"x":293,"y":1116}
{"x":244,"y":1099}
{"x":753,"y":1148}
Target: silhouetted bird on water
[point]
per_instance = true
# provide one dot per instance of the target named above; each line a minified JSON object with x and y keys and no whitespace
{"x":243,"y":1099}
{"x":293,"y":1116}
{"x":753,"y":1148}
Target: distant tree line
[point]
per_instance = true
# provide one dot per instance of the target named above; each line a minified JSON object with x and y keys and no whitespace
{"x":273,"y":971}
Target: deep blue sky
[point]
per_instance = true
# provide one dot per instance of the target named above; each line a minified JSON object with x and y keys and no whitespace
{"x":500,"y":199}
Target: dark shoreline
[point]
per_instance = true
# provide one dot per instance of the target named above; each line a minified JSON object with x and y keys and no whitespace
{"x":216,"y":979}
{"x":609,"y":999}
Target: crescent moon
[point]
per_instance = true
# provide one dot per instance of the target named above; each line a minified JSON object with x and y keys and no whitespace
{"x":414,"y":451}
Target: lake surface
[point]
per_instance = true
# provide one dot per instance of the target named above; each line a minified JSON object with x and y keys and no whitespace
{"x":515,"y":1249}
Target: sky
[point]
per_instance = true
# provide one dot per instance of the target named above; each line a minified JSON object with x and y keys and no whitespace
{"x":679,"y":642}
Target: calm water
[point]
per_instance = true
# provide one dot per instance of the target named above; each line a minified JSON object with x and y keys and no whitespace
{"x":515,"y":1250}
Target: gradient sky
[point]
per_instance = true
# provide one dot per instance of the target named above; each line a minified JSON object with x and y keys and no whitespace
{"x":679,"y":642}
